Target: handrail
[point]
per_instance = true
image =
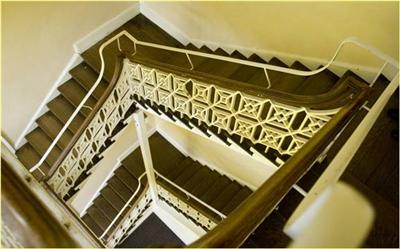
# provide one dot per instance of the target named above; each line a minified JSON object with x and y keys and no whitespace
{"x":235,"y":229}
{"x":265,"y":66}
{"x":125,"y":206}
{"x":61,"y":132}
{"x":190,"y":195}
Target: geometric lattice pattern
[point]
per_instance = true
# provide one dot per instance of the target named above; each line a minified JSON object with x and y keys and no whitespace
{"x":263,"y":121}
{"x":93,"y":138}
{"x":281,"y":127}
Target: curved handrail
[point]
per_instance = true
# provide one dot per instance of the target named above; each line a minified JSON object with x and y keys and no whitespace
{"x":235,"y":229}
{"x":264,"y":66}
{"x":125,"y":206}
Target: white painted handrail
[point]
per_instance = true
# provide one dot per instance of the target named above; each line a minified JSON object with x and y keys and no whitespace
{"x":265,"y":66}
{"x":125,"y":206}
{"x":190,"y":195}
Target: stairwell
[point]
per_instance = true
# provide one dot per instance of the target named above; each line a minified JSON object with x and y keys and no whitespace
{"x":215,"y":189}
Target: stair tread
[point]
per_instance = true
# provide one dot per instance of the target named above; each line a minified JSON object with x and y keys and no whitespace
{"x":236,"y":200}
{"x":153,"y":31}
{"x":75,"y":93}
{"x":130,"y":181}
{"x":92,"y":225}
{"x":220,"y":51}
{"x":215,"y":189}
{"x":196,"y":178}
{"x":259,"y":77}
{"x":237,"y":55}
{"x":86,"y":76}
{"x":226,"y":194}
{"x":190,"y":46}
{"x":120,"y":188}
{"x":51,"y":125}
{"x":63,"y":110}
{"x":29,"y":157}
{"x":204,"y":185}
{"x":179,"y":168}
{"x":244,"y":72}
{"x":41,"y":142}
{"x":99,"y":218}
{"x":134,"y":163}
{"x":101,"y":203}
{"x":165,"y":156}
{"x":187,"y":173}
{"x":317,"y":84}
{"x":289,"y":82}
{"x":115,"y":200}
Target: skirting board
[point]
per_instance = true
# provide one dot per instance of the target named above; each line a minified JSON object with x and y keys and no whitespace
{"x":339,"y":68}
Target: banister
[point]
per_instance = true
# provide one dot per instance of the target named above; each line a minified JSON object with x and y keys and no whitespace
{"x":235,"y":229}
{"x":264,"y":66}
{"x":117,"y":71}
{"x":125,"y":206}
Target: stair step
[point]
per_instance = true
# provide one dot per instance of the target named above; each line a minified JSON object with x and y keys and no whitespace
{"x":226,"y":195}
{"x":86,"y":76}
{"x":289,"y":82}
{"x":63,"y":110}
{"x":317,"y":84}
{"x":115,"y":200}
{"x":41,"y":142}
{"x":237,"y":55}
{"x":178,"y":169}
{"x":157,"y":34}
{"x":199,"y":176}
{"x":75,"y":93}
{"x":204,"y":185}
{"x":187,"y":173}
{"x":165,"y":156}
{"x":101,"y":203}
{"x":101,"y":220}
{"x":120,"y":188}
{"x":134,"y":163}
{"x":220,"y":51}
{"x":130,"y":181}
{"x":259,"y":78}
{"x":244,"y":72}
{"x":215,"y":189}
{"x":289,"y":203}
{"x":52,"y":126}
{"x":236,"y":200}
{"x":92,"y":225}
{"x":190,"y":46}
{"x":29,"y":157}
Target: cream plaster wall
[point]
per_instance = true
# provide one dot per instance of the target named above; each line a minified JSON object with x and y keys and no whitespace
{"x":306,"y":29}
{"x":37,"y":42}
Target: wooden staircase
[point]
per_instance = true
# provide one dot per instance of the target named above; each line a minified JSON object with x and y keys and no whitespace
{"x":225,"y":194}
{"x":208,"y":185}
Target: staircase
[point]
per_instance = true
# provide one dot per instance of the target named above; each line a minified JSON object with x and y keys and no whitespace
{"x":218,"y":191}
{"x":208,"y":185}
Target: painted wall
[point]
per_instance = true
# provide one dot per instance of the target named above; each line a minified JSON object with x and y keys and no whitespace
{"x":37,"y":40}
{"x":303,"y":29}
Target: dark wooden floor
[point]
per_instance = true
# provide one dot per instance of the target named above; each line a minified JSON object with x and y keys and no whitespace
{"x":374,"y":171}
